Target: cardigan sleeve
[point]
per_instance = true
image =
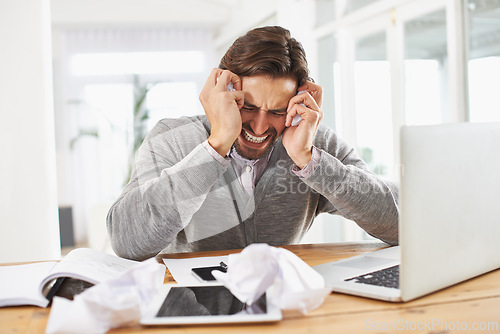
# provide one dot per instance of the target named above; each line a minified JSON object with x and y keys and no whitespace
{"x":343,"y":178}
{"x":173,"y":175}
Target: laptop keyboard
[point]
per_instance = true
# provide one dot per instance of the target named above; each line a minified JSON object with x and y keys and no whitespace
{"x":388,"y":277}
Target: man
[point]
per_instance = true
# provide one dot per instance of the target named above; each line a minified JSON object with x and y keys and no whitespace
{"x":242,"y":173}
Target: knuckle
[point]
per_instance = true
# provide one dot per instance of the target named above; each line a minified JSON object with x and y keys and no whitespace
{"x":320,"y":115}
{"x":203,"y":95}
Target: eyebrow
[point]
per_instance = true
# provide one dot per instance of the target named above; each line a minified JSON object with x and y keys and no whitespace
{"x":279,"y":110}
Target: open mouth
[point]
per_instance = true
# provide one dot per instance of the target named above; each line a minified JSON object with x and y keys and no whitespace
{"x":254,"y":139}
{"x":254,"y":147}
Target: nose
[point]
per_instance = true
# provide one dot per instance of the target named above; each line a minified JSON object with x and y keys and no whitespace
{"x":259,"y":123}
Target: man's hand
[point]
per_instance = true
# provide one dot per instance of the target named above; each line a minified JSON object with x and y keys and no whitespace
{"x":222,"y":108}
{"x":298,"y":140}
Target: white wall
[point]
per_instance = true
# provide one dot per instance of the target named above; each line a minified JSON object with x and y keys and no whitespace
{"x":29,"y":228}
{"x":299,"y":16}
{"x":141,"y":13}
{"x":244,"y":16}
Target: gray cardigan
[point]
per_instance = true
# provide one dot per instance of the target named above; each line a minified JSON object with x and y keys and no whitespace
{"x":181,"y":199}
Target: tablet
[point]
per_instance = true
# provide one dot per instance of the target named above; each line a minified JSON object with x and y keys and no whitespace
{"x":183,"y":305}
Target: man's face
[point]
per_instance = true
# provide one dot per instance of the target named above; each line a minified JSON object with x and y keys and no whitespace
{"x":263,"y":114}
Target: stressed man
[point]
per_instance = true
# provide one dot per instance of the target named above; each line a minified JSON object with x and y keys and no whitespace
{"x":242,"y":173}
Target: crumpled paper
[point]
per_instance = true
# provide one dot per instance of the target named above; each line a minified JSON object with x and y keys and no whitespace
{"x":114,"y":303}
{"x":291,"y":284}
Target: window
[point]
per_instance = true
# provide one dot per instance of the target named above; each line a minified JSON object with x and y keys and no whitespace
{"x":402,"y":63}
{"x":110,"y":112}
{"x":426,"y":71}
{"x":354,"y":5}
{"x":100,"y":74}
{"x":484,"y":60}
{"x":172,"y":100}
{"x":484,"y":80}
{"x":372,"y":89}
{"x":119,"y":63}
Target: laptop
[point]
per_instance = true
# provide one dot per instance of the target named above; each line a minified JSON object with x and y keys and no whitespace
{"x":449,"y":216}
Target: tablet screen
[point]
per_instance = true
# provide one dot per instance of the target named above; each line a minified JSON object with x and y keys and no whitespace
{"x":206,"y":301}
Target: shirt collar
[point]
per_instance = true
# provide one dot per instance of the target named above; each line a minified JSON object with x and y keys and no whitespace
{"x":233,"y":154}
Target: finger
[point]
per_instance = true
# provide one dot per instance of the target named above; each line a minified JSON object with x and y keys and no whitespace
{"x":315,"y":90}
{"x":303,"y":98}
{"x":212,"y":78}
{"x":291,"y":112}
{"x":239,"y":98}
{"x":226,"y":77}
{"x":215,"y":73}
{"x":312,"y":116}
{"x":296,"y":109}
{"x":308,"y":85}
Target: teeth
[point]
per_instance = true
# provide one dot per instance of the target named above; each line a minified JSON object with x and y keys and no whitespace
{"x":254,"y":139}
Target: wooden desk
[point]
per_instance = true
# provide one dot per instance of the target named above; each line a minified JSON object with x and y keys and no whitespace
{"x":474,"y":303}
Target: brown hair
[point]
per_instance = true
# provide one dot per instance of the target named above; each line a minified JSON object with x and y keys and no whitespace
{"x":268,"y":51}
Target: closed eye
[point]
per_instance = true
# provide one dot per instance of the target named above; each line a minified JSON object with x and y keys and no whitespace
{"x":275,"y":112}
{"x":250,"y":109}
{"x":278,"y":112}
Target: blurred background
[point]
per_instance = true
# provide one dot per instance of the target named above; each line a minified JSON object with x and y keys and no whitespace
{"x":116,"y":67}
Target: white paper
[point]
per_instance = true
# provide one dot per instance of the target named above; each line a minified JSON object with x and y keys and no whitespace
{"x":21,"y":284}
{"x":114,"y":303}
{"x":291,"y":284}
{"x":24,"y":284}
{"x":90,"y":265}
{"x":181,"y":268}
{"x":296,"y":120}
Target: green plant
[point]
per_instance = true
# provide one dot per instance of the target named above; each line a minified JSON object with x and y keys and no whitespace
{"x":88,"y":131}
{"x":140,"y":119}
